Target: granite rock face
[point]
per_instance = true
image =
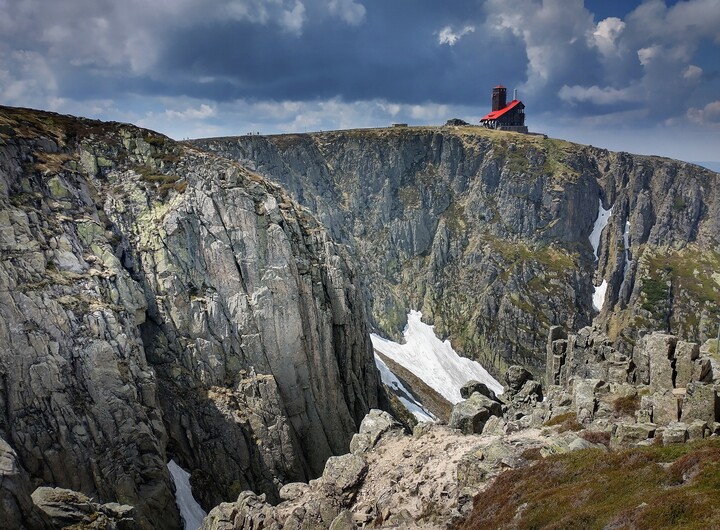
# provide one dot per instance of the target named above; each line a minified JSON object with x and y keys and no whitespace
{"x":159,"y":301}
{"x":487,"y":232}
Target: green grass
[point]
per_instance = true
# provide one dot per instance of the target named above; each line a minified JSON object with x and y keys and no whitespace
{"x":593,"y":489}
{"x":656,"y":291}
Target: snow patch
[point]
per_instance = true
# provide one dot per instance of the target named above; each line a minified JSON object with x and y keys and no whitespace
{"x":402,"y":392}
{"x":600,"y":223}
{"x":599,"y":295}
{"x":190,"y":510}
{"x":432,"y":360}
{"x":626,"y":245}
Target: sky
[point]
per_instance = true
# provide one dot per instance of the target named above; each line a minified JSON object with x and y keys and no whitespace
{"x":627,"y":75}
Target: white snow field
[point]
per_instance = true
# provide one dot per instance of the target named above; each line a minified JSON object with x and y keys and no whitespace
{"x":599,"y":295}
{"x":600,"y":223}
{"x":190,"y":510}
{"x":401,"y":391}
{"x":432,"y":360}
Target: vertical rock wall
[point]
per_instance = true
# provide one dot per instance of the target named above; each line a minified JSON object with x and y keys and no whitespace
{"x":156,"y":302}
{"x":486,"y":232}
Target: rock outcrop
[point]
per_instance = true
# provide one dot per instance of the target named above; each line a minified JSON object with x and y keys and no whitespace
{"x":159,"y":301}
{"x":661,"y":389}
{"x":425,"y":480}
{"x":487,"y":232}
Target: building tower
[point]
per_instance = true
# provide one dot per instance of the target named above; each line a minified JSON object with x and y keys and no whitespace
{"x":499,"y":98}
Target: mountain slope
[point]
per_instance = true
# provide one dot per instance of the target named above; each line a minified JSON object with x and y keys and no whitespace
{"x":487,"y":232}
{"x":158,"y":301}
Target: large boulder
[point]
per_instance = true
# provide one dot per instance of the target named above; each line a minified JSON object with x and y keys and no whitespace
{"x":700,"y":403}
{"x":654,"y":358}
{"x":584,"y":398}
{"x":665,"y":407}
{"x":344,"y":472}
{"x":529,"y":393}
{"x":516,"y":376}
{"x":374,"y":425}
{"x":470,"y":415}
{"x":61,"y":508}
{"x":686,"y":354}
{"x":675,"y":433}
{"x":632,"y":433}
{"x":472,"y":386}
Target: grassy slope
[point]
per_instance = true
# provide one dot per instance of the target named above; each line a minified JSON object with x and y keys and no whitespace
{"x":657,"y":487}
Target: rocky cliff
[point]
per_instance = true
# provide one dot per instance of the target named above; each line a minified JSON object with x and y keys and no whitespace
{"x":488,"y":232}
{"x":158,"y":301}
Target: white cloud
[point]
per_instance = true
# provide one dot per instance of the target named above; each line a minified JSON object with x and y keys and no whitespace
{"x":348,"y":10}
{"x":204,"y":111}
{"x":449,"y":36}
{"x":606,"y":34}
{"x":647,"y":55}
{"x":553,"y":32}
{"x":25,"y":78}
{"x":708,"y":115}
{"x":293,"y":19}
{"x":693,"y":73}
{"x":598,"y":95}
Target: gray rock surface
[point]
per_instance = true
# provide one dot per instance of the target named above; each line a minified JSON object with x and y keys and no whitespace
{"x":472,"y":386}
{"x":16,"y":505}
{"x":374,"y":425}
{"x":471,"y":414}
{"x":61,"y":508}
{"x":487,"y":232}
{"x":157,"y":299}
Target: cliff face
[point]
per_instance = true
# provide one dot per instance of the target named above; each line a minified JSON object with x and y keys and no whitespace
{"x":159,"y":301}
{"x":487,"y":233}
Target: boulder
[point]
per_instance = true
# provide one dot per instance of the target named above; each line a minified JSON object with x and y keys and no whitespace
{"x":556,"y":352}
{"x":374,"y":425}
{"x":567,"y":442}
{"x":703,"y":370}
{"x":686,"y":354}
{"x":584,"y":398}
{"x":344,"y":521}
{"x":516,"y":376}
{"x":344,"y":472}
{"x":529,"y":393}
{"x":293,"y":490}
{"x":675,"y":433}
{"x":470,"y":415}
{"x":61,"y":507}
{"x":631,"y":433}
{"x":660,"y":351}
{"x":665,"y":407}
{"x":472,"y":386}
{"x":698,"y":429}
{"x":700,"y":403}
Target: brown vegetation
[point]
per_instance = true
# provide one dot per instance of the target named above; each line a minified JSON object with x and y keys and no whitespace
{"x":627,"y":405}
{"x":593,"y":489}
{"x":565,"y":422}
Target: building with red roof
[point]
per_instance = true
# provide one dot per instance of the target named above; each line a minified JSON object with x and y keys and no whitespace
{"x":505,"y":116}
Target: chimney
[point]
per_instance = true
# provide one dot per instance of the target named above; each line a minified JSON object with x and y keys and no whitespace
{"x":499,"y":98}
{"x":514,"y":94}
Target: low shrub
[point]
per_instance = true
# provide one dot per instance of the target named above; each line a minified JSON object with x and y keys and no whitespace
{"x":565,"y":422}
{"x":627,"y":405}
{"x":596,"y":437}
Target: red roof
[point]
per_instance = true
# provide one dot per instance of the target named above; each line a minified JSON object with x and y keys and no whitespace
{"x":497,"y":113}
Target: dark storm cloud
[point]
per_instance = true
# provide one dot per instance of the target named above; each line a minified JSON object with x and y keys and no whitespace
{"x":394,"y":55}
{"x":290,"y":61}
